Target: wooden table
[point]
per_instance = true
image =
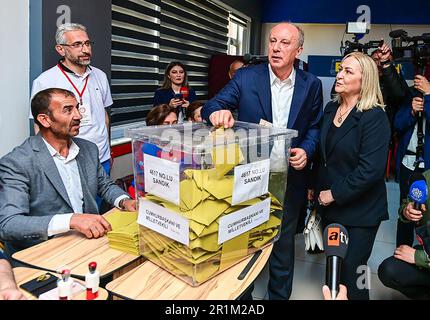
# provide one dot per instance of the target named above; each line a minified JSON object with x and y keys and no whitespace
{"x":22,"y":275}
{"x":150,"y":282}
{"x":74,"y":251}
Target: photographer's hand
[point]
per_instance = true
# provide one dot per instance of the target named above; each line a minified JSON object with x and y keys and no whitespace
{"x":422,"y":84}
{"x":411,"y":214}
{"x":384,"y":54}
{"x":405,"y":253}
{"x":417,"y":105}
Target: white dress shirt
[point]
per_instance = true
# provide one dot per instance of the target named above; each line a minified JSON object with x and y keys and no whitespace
{"x":69,"y":173}
{"x":282,"y":96}
{"x":409,"y":160}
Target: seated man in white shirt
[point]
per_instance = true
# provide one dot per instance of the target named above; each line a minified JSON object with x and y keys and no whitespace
{"x":49,"y":184}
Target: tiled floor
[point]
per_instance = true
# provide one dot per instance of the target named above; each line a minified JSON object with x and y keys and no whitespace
{"x":309,"y":272}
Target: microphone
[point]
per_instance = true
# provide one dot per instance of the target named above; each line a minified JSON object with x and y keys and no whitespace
{"x":398,"y":33}
{"x":185,"y":93}
{"x":418,"y":190}
{"x":254,"y":59}
{"x":335,"y":247}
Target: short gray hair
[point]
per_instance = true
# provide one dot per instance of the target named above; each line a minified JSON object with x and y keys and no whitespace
{"x":301,"y":38}
{"x":66,"y":27}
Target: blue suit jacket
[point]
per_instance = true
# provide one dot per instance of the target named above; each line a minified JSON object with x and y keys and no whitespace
{"x":250,"y":92}
{"x":404,"y":124}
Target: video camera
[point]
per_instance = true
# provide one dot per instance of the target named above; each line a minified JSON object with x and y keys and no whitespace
{"x":415,"y":49}
{"x":361,"y":47}
{"x":358,"y":29}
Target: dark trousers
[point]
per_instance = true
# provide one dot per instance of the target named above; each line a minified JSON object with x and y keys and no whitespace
{"x":412,"y":281}
{"x":405,"y":231}
{"x":360,"y":244}
{"x":281,"y":261}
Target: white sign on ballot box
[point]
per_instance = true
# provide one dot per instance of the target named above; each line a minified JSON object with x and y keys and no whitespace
{"x":241,"y":221}
{"x":164,"y":221}
{"x":162,"y":178}
{"x":250,"y":181}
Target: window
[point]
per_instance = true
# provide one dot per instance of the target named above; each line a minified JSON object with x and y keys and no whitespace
{"x":148,"y":34}
{"x":238,"y":35}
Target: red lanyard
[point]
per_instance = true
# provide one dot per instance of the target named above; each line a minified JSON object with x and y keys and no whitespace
{"x":81,"y":94}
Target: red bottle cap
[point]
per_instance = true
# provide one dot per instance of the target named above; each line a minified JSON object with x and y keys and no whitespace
{"x":92,"y":266}
{"x":65,"y":274}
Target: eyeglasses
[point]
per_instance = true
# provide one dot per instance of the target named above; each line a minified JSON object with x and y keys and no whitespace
{"x":79,"y":45}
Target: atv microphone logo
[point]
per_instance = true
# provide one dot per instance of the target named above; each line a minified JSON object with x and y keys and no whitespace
{"x":336,"y":236}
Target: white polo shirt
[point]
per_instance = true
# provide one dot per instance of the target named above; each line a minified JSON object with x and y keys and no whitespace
{"x":97,"y":97}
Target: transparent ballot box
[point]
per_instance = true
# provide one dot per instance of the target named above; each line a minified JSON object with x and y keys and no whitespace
{"x":208,"y":197}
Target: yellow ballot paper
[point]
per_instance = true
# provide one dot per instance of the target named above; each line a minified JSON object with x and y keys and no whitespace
{"x":118,"y":219}
{"x":191,"y":194}
{"x":225,"y":158}
{"x":208,"y":211}
{"x":125,"y":231}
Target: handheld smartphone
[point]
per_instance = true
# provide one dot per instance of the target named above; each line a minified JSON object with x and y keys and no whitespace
{"x":178,"y":96}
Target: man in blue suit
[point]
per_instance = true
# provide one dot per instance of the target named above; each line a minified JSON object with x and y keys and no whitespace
{"x":286,"y":97}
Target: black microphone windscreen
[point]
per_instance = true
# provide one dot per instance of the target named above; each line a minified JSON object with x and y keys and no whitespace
{"x":397,"y":33}
{"x":247,"y":57}
{"x":335,"y":240}
{"x":415,"y":176}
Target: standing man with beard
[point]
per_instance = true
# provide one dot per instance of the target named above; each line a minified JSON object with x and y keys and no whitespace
{"x":89,"y":84}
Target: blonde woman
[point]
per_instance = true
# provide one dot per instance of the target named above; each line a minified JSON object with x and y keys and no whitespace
{"x":354,"y":141}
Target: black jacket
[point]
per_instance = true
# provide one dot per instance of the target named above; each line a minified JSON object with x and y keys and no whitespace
{"x":354,"y":167}
{"x":395,"y":91}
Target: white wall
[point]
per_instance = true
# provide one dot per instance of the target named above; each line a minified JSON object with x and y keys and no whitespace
{"x":14,"y":77}
{"x":324,"y":39}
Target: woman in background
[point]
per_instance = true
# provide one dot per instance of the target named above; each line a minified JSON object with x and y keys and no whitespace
{"x":354,"y":141}
{"x":175,"y":78}
{"x":193,"y":113}
{"x":161,"y":115}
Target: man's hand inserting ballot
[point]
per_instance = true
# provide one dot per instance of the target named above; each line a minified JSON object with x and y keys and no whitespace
{"x":222,"y":118}
{"x":91,"y":225}
{"x":298,"y":158}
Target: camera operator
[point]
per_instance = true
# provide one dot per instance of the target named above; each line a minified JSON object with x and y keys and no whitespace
{"x":406,"y":126}
{"x":395,"y":90}
{"x":408,"y":271}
